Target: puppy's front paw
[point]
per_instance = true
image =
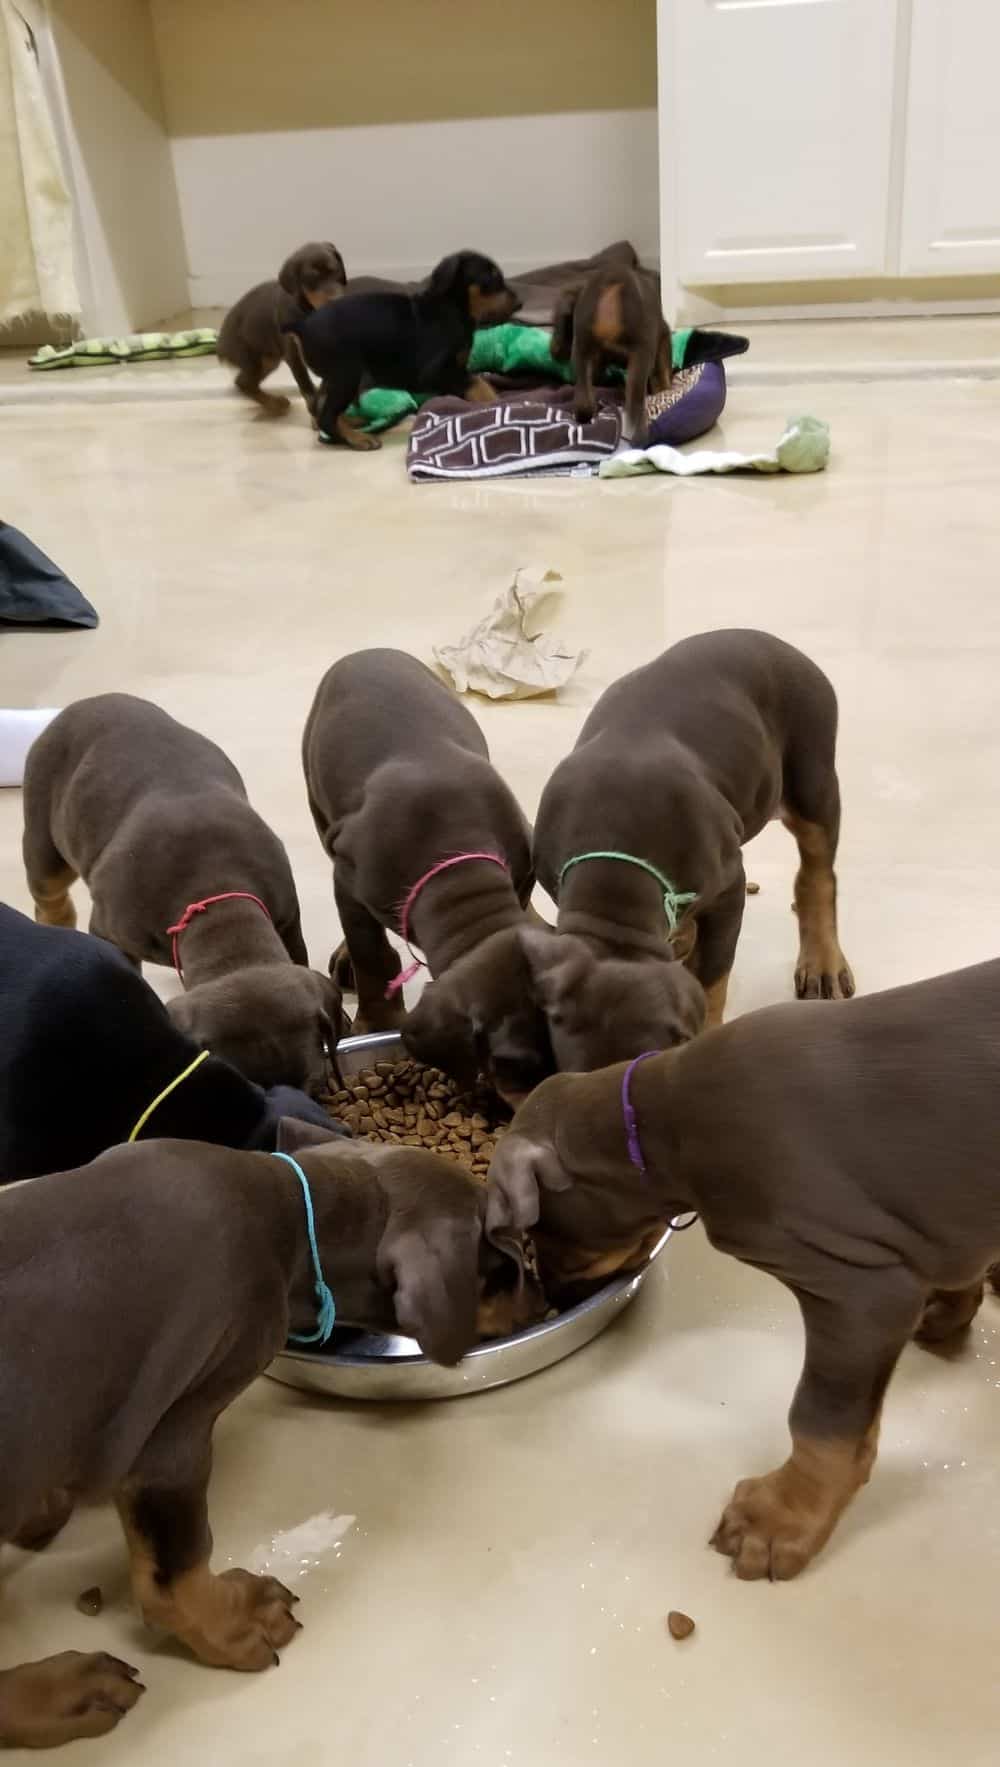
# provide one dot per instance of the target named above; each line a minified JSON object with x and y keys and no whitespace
{"x":258,"y":1621}
{"x":823,"y":975}
{"x":763,"y":1535}
{"x":65,"y":1697}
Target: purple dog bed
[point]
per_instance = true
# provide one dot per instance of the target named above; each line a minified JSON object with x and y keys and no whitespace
{"x":687,"y":410}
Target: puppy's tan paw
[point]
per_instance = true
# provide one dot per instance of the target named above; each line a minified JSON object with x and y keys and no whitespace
{"x":258,"y":1621}
{"x":824,"y":975}
{"x":762,"y":1535}
{"x":65,"y":1697}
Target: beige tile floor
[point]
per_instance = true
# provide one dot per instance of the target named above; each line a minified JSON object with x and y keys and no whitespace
{"x":500,"y":1598}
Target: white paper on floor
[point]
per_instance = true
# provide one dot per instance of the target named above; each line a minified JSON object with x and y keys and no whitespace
{"x":299,"y":1550}
{"x":509,"y":655}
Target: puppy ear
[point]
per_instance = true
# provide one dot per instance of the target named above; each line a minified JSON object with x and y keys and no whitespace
{"x":335,"y":255}
{"x":433,"y":1268}
{"x":293,"y":1135}
{"x":447,"y":275}
{"x":290,"y":275}
{"x":439,"y":1032}
{"x":558,"y":964}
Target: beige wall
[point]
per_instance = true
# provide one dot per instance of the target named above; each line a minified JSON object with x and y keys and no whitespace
{"x":405,"y":128}
{"x":119,"y":161}
{"x":247,"y":66}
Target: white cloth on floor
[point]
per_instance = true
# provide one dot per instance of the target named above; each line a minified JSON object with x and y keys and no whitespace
{"x":36,"y":215}
{"x":804,"y":447}
{"x":17,"y":733}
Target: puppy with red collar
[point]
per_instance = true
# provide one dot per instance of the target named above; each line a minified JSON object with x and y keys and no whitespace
{"x":155,"y":819}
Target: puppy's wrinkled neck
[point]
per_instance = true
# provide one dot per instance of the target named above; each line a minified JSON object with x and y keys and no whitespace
{"x":228,"y":936}
{"x":616,"y":908}
{"x":458,"y":909}
{"x":592,"y":1141}
{"x":350,"y":1213}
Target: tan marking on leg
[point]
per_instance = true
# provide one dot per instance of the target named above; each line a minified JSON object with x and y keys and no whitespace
{"x":53,"y":902}
{"x":715,"y":997}
{"x":608,"y":321}
{"x":354,"y":437}
{"x":480,"y":392}
{"x":773,"y":1526}
{"x":823,"y":971}
{"x":233,"y":1621}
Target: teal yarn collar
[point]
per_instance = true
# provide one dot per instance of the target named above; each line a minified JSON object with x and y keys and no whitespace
{"x":326,"y":1307}
{"x":674,"y":900}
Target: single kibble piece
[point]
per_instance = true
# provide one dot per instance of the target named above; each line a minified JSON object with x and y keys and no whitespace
{"x":90,"y":1602}
{"x":679,"y":1625}
{"x":753,"y":889}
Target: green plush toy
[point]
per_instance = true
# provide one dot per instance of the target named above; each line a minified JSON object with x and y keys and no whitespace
{"x":497,"y":349}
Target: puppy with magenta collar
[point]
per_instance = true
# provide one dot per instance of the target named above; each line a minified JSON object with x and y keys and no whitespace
{"x":426,"y":840}
{"x":138,"y":1298}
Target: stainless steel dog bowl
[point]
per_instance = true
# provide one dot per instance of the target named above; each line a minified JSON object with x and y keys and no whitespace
{"x":368,"y":1365}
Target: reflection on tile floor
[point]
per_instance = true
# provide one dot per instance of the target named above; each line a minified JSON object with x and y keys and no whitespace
{"x":501,"y":1596}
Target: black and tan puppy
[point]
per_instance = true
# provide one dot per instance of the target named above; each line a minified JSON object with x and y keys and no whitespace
{"x":138,"y":1297}
{"x":615,"y":316}
{"x":252,"y":335}
{"x":851,"y":1151}
{"x":400,"y":782}
{"x":77,"y":1023}
{"x":419,"y":343}
{"x":155,"y":819}
{"x":679,"y":764}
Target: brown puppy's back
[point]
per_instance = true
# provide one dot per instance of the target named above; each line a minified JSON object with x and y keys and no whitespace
{"x":141,"y":806}
{"x":393,"y":763}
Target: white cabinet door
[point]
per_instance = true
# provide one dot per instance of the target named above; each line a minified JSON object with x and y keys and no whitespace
{"x":951,"y":180}
{"x":776,"y":138}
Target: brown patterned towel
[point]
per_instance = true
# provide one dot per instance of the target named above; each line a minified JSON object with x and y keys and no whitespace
{"x":451,"y":439}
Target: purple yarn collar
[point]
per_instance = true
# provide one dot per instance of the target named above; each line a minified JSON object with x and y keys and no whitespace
{"x":635,"y":1153}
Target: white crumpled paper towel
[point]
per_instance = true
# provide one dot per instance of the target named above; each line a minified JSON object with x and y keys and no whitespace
{"x":508,"y":655}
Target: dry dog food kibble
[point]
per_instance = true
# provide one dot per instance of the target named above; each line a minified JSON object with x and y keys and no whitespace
{"x":679,"y":1625}
{"x":412,"y":1106}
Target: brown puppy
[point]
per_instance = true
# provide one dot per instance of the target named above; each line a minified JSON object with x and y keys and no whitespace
{"x":615,"y":316}
{"x":197,"y":1268}
{"x":155,"y":819}
{"x":677,"y":765}
{"x":850,"y":1151}
{"x":399,"y":780}
{"x":252,"y":336}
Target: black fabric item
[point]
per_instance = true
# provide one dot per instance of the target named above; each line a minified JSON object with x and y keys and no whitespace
{"x":713,"y":346}
{"x":86,"y":1045}
{"x":33,"y":591}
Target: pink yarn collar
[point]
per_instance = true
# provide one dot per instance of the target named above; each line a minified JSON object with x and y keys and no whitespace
{"x":406,"y":910}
